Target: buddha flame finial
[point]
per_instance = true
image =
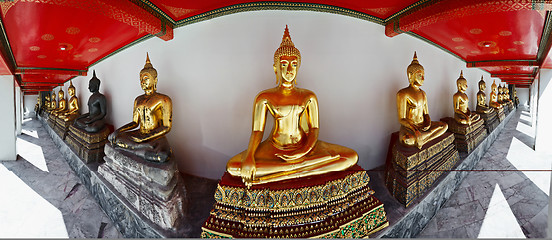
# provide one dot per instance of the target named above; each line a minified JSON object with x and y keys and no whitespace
{"x":287,"y":48}
{"x":461,"y":74}
{"x":148,"y":67}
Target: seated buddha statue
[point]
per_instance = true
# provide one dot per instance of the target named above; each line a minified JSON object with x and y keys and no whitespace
{"x":292,"y":149}
{"x":152,"y":115}
{"x":417,"y":128}
{"x":47,"y":102}
{"x":462,"y":113}
{"x":62,"y":104}
{"x":500,"y":96}
{"x":53,"y":102}
{"x":482,"y":106}
{"x":93,"y":121}
{"x":506,"y":97}
{"x":493,"y":100}
{"x":73,"y":107}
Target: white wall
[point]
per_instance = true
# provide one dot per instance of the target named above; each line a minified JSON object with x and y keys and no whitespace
{"x":544,"y":114}
{"x":523,"y":95}
{"x":29,"y":102}
{"x":212,"y":70}
{"x":7,"y":123}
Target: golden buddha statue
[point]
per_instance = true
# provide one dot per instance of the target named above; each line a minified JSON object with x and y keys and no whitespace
{"x":493,"y":100}
{"x":73,"y":108}
{"x":482,"y":106}
{"x":93,"y":121}
{"x":416,"y":126}
{"x":53,"y":103}
{"x":292,"y":149}
{"x":500,"y":96}
{"x":462,"y":113}
{"x":506,"y":97}
{"x":62,"y":104}
{"x":152,"y":113}
{"x":47,"y":102}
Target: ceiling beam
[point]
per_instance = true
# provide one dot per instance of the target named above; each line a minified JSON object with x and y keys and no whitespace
{"x":502,"y":63}
{"x":428,"y":12}
{"x":52,"y":71}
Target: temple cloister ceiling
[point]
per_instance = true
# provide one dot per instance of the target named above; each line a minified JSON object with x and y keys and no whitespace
{"x":47,"y":42}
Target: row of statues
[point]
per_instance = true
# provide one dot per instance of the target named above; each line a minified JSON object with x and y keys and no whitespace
{"x":292,"y":158}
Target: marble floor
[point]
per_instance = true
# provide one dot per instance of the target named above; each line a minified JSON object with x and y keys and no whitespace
{"x":41,"y":197}
{"x":506,"y":195}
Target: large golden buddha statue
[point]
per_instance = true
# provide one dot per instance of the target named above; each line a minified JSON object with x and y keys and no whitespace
{"x":493,"y":100}
{"x":152,"y":114}
{"x":292,"y":149}
{"x":416,"y":126}
{"x":482,"y":106}
{"x":93,"y":121}
{"x":73,"y":107}
{"x":462,"y":113}
{"x":53,"y":102}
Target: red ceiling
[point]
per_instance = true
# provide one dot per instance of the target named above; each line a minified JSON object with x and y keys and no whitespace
{"x":504,"y":37}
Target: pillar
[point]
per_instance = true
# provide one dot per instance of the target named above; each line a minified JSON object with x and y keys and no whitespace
{"x":7,"y":121}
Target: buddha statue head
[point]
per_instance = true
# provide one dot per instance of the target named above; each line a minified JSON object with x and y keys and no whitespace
{"x":287,"y":60}
{"x":494,"y":88}
{"x":94,"y":83}
{"x":71,"y":89}
{"x":482,"y":85}
{"x":61,"y":94}
{"x":53,"y":98}
{"x":415,"y":72}
{"x":462,"y":83}
{"x":148,"y":77}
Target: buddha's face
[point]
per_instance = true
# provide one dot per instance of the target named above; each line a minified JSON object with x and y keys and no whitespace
{"x":53,"y":96}
{"x":61,"y":94}
{"x":93,"y":86}
{"x":494,"y":88}
{"x":462,"y":85}
{"x":147,"y":82}
{"x":287,"y":68}
{"x":416,"y":77}
{"x":71,"y":92}
{"x":482,"y":86}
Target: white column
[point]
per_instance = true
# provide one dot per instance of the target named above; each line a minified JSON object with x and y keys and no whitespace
{"x":18,"y":107}
{"x":543,"y":138}
{"x":7,"y":121}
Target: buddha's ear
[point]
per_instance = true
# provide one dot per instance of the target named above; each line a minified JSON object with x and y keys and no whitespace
{"x":275,"y":71}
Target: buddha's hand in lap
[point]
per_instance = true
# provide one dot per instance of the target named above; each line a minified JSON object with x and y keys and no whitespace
{"x":248,"y":170}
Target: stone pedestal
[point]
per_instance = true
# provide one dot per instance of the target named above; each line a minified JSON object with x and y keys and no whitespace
{"x":505,"y":108}
{"x":88,"y":146}
{"x":333,"y":205}
{"x":52,"y":121}
{"x":154,"y":189}
{"x":466,"y":137}
{"x":490,"y":120}
{"x":410,"y":171}
{"x":62,"y":127}
{"x":500,"y":113}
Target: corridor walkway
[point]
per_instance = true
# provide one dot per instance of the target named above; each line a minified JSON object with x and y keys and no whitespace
{"x":507,"y":195}
{"x":41,"y":197}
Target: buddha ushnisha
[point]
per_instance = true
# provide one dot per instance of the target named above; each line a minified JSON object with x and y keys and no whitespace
{"x":482,"y":106}
{"x":462,"y":113}
{"x":152,"y":113}
{"x":493,"y":100}
{"x":73,"y":106}
{"x":292,"y":150}
{"x":93,"y":121}
{"x":62,"y":103}
{"x":417,"y":128}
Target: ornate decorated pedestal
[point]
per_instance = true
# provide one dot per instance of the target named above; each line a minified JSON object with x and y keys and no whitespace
{"x":501,"y":114}
{"x":410,"y":171}
{"x":52,"y":121}
{"x":490,"y":120}
{"x":466,"y":137}
{"x":154,"y":189}
{"x":506,"y":109}
{"x":332,"y":205}
{"x":88,"y":146}
{"x":62,"y":127}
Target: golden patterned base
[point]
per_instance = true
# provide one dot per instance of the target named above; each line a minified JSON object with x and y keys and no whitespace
{"x":88,"y":146}
{"x":333,"y":205}
{"x":466,"y":137}
{"x":408,"y":184}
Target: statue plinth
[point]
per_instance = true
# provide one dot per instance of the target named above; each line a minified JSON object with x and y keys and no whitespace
{"x":466,"y":137}
{"x":88,"y":146}
{"x":490,"y":119}
{"x":333,"y":205}
{"x":62,"y":127}
{"x":500,"y":113}
{"x":410,"y":171}
{"x":154,"y":189}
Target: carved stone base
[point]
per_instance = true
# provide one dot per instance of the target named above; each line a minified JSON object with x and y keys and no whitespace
{"x":466,"y":137}
{"x":501,"y":114}
{"x":62,"y":127}
{"x":333,"y":205}
{"x":154,"y":189}
{"x":88,"y":146}
{"x":410,"y":171}
{"x":490,"y":120}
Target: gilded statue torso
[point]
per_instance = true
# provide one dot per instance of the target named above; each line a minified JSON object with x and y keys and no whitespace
{"x":286,"y":110}
{"x":415,"y":103}
{"x":494,"y":97}
{"x":481,"y":99}
{"x":462,"y":101}
{"x":149,"y":111}
{"x":73,"y":103}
